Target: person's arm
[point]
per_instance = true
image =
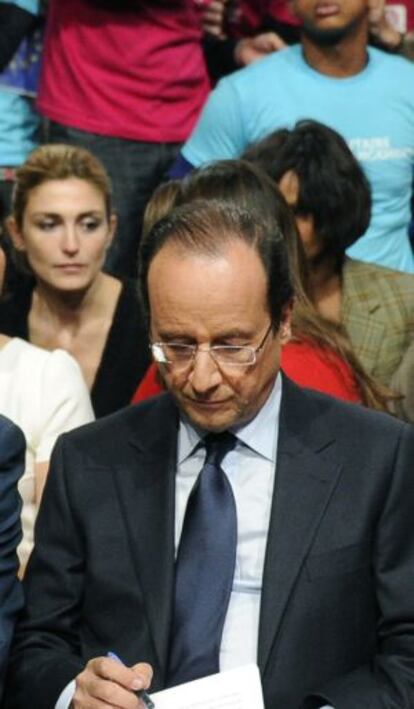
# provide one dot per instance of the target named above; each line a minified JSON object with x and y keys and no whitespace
{"x":12,"y":452}
{"x":46,"y":655}
{"x":15,"y":23}
{"x":65,"y":404}
{"x":387,"y":680}
{"x":219,"y":133}
{"x":219,"y":55}
{"x":225,"y":54}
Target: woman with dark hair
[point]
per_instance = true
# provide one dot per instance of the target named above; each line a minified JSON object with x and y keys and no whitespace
{"x":330,"y":196}
{"x":319,"y":355}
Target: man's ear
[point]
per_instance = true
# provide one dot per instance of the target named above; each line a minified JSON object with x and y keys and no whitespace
{"x":15,"y":234}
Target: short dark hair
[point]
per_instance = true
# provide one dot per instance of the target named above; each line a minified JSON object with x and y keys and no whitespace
{"x":207,"y":226}
{"x":332,"y":184}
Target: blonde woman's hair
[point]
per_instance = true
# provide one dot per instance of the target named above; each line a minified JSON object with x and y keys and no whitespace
{"x":58,"y":162}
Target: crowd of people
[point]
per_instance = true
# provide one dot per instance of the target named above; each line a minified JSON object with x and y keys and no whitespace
{"x":206,"y":349}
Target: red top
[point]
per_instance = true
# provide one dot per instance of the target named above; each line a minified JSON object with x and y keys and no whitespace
{"x":319,"y":368}
{"x":137,"y":74}
{"x":306,"y":364}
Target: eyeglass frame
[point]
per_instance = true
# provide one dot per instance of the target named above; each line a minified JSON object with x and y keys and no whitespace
{"x":210,"y":349}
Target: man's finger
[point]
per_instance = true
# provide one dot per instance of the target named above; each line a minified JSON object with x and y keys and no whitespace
{"x":144,"y":672}
{"x":107,"y":668}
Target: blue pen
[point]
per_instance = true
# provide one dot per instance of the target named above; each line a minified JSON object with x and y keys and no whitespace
{"x":141,"y":693}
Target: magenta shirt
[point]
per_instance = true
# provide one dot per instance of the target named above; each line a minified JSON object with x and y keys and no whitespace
{"x":132,"y":74}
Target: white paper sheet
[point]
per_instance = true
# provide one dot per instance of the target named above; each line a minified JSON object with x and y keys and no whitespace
{"x":239,"y":688}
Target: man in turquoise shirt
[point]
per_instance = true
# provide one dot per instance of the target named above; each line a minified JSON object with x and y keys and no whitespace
{"x":363,"y":93}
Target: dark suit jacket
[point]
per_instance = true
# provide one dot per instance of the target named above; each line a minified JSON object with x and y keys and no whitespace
{"x":337,"y":612}
{"x":12,"y":450}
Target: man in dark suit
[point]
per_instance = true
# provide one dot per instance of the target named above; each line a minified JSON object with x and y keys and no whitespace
{"x":12,"y":450}
{"x":322,"y":576}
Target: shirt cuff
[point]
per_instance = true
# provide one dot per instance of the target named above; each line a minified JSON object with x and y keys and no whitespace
{"x":66,"y":696}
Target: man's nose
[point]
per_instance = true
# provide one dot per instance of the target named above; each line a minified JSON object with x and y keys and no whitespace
{"x":205,"y":374}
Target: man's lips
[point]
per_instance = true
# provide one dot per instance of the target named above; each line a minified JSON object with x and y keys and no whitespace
{"x":206,"y":404}
{"x":326,"y":9}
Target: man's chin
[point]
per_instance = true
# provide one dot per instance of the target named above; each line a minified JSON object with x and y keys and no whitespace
{"x":209,"y":416}
{"x":326,"y":36}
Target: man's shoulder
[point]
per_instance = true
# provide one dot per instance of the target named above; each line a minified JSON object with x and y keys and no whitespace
{"x":315,"y":416}
{"x":266,"y":69}
{"x":137,"y":423}
{"x":32,"y":6}
{"x":388,"y":64}
{"x":363,"y":277}
{"x":11,"y":437}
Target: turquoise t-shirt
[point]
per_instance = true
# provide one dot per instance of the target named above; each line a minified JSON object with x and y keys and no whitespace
{"x":18,"y":120}
{"x":373,"y":110}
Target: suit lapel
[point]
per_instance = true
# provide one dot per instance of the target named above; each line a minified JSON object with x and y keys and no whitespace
{"x":145,"y":483}
{"x":305,"y":479}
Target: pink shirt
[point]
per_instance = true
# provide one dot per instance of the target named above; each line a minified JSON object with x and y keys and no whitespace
{"x":132,"y":74}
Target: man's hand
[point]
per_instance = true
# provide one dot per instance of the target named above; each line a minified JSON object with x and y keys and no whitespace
{"x":251,"y":49}
{"x":107,"y":683}
{"x":213,"y":14}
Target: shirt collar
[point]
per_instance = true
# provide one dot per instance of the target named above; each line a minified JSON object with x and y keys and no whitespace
{"x":259,"y":434}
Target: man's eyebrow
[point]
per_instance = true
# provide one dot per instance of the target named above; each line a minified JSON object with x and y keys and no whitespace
{"x":171,"y":335}
{"x":235,"y":333}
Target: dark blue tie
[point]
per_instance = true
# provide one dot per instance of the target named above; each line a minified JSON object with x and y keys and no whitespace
{"x":204,"y":569}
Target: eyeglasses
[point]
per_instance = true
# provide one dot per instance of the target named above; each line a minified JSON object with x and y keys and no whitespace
{"x":180,"y":355}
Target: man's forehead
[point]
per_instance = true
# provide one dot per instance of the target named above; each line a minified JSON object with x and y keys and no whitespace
{"x":218,"y":293}
{"x":172,"y":255}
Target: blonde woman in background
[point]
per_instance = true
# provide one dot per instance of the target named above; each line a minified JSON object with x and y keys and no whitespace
{"x":61,"y":226}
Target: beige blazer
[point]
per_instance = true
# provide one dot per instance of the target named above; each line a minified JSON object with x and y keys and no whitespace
{"x":378,"y":313}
